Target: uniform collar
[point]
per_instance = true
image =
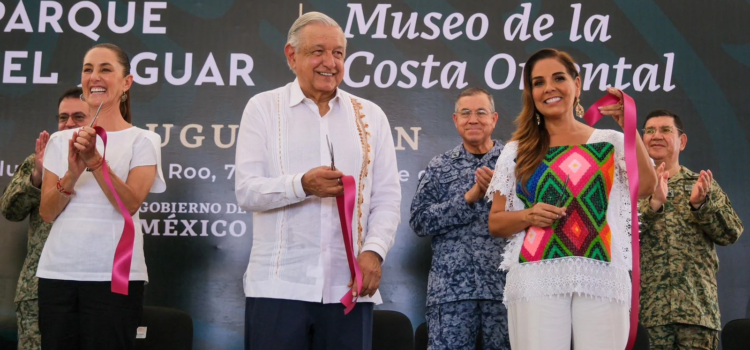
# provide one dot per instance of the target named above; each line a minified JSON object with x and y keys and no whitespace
{"x":683,"y":173}
{"x":460,"y":152}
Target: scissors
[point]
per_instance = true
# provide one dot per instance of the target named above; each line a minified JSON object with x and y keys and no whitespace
{"x":565,"y":187}
{"x":94,"y":121}
{"x":330,"y":150}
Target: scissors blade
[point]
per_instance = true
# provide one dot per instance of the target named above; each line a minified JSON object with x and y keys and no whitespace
{"x":330,"y":150}
{"x":565,"y":187}
{"x":97,"y":114}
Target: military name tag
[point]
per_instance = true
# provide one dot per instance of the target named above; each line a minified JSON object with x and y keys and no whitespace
{"x":447,"y":179}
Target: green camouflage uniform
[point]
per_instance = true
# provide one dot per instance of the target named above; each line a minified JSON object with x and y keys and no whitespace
{"x":21,"y":199}
{"x":679,"y":265}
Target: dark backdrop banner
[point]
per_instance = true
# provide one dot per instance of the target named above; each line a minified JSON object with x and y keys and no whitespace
{"x":196,"y":64}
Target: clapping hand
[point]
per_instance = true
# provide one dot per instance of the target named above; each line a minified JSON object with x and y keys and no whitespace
{"x":701,"y":188}
{"x":41,"y":146}
{"x":85,"y":143}
{"x":660,"y":192}
{"x":483,"y":177}
{"x":76,"y":165}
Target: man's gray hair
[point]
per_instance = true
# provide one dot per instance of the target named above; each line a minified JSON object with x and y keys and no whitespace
{"x":308,"y":18}
{"x":304,"y":20}
{"x":476,"y":91}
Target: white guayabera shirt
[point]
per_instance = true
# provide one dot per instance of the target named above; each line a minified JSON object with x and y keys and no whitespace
{"x":298,"y":250}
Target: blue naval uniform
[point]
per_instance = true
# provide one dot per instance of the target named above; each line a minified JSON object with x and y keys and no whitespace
{"x":465,"y":286}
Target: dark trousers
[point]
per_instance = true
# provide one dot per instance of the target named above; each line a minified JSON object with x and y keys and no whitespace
{"x":277,"y":324}
{"x":87,"y":315}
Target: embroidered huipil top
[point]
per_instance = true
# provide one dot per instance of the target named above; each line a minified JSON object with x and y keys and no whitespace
{"x":588,"y":250}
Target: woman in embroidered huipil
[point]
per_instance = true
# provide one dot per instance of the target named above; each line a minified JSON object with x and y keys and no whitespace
{"x":560,"y":194}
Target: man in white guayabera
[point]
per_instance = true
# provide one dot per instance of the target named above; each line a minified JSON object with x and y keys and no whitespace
{"x":298,"y":268}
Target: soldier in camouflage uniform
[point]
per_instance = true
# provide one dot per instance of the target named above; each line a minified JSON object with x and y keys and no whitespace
{"x":465,"y":287}
{"x":687,"y":214}
{"x":21,"y":199}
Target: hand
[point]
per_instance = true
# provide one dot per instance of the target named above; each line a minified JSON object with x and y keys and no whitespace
{"x":617,"y":110}
{"x":483,"y":177}
{"x":323,"y":182}
{"x":369,"y":264}
{"x":701,"y":188}
{"x":85,"y":143}
{"x":544,"y":215}
{"x":473,"y":195}
{"x":41,"y":145}
{"x":660,"y":192}
{"x":76,"y":165}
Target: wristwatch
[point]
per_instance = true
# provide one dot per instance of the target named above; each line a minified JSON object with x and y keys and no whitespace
{"x":700,"y":206}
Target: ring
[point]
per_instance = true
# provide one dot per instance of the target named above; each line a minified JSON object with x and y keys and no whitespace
{"x":339,"y":180}
{"x":622,"y":107}
{"x":557,"y":216}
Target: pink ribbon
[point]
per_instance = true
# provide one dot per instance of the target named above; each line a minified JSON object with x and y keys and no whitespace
{"x":124,"y":251}
{"x":345,"y":204}
{"x":631,"y":163}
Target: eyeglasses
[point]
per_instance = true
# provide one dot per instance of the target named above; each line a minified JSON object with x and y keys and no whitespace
{"x":480,"y":113}
{"x":664,"y":130}
{"x":77,"y":117}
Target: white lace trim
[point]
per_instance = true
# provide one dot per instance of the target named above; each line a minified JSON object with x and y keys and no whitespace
{"x":611,"y":280}
{"x":618,"y":210}
{"x":504,"y":181}
{"x":566,"y":276}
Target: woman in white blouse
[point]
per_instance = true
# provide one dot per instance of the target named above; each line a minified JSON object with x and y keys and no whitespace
{"x":77,"y":309}
{"x":560,"y":194}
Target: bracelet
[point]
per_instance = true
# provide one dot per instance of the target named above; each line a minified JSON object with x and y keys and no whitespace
{"x":62,"y":191}
{"x":96,"y":166}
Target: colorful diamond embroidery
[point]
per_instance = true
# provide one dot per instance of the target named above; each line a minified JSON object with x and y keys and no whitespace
{"x":584,"y":230}
{"x":527,"y":195}
{"x":550,"y":188}
{"x":578,"y":164}
{"x":556,"y":249}
{"x":535,"y":238}
{"x":575,"y":231}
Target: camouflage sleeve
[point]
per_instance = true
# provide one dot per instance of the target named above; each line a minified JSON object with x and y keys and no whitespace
{"x":20,"y":197}
{"x":432,"y":217}
{"x":717,"y":219}
{"x":647,"y":215}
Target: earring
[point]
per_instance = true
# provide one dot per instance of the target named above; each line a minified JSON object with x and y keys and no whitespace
{"x":578,"y":108}
{"x":82,"y":98}
{"x":538,"y":120}
{"x":124,"y":97}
